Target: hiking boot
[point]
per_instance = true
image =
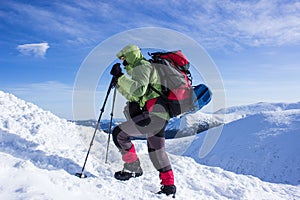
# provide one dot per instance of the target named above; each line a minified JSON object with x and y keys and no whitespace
{"x":130,"y":170}
{"x":168,"y":189}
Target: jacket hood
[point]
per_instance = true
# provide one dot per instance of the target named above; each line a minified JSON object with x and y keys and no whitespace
{"x":132,"y":54}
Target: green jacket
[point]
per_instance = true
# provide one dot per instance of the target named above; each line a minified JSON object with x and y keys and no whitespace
{"x":134,"y":85}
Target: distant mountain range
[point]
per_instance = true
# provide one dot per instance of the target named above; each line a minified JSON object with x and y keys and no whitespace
{"x":177,"y":127}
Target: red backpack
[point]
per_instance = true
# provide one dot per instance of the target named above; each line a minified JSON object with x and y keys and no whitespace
{"x":176,"y":80}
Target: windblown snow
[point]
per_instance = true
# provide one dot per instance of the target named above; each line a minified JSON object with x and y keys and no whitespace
{"x":40,"y":153}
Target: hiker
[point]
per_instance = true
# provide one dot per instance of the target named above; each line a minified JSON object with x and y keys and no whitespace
{"x":146,"y":114}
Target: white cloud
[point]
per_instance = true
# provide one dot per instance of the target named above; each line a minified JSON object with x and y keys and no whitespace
{"x":38,"y":49}
{"x":215,"y":24}
{"x":268,"y":23}
{"x":235,"y":24}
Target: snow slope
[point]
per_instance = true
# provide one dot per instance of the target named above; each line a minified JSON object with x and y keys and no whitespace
{"x":40,"y":153}
{"x":263,"y":143}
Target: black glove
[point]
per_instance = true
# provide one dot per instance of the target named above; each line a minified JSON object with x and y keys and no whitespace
{"x":116,"y":70}
{"x":114,"y":81}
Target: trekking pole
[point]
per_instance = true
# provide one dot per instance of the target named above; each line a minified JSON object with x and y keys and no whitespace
{"x":111,"y":85}
{"x":110,"y":124}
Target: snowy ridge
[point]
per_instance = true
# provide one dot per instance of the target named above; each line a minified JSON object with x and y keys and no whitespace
{"x":23,"y":126}
{"x":239,"y":112}
{"x":42,"y":152}
{"x":263,"y":144}
{"x":28,"y":122}
{"x":259,"y":108}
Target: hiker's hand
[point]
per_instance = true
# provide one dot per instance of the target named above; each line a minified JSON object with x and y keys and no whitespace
{"x":116,"y":70}
{"x":114,"y":82}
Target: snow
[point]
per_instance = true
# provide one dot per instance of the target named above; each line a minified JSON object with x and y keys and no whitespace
{"x":265,"y":145}
{"x":40,"y":153}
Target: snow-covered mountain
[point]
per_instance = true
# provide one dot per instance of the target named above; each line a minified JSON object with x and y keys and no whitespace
{"x":263,"y":143}
{"x":260,"y":107}
{"x":40,"y":153}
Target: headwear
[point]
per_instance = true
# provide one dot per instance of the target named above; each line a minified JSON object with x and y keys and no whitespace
{"x":126,"y":49}
{"x":131,"y":53}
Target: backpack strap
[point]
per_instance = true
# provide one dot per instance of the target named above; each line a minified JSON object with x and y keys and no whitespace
{"x":150,"y":86}
{"x":158,"y":92}
{"x":162,"y":97}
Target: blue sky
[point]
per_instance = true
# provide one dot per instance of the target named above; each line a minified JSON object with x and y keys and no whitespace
{"x":254,"y":44}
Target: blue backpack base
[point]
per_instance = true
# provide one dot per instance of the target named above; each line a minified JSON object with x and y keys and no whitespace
{"x":201,"y":96}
